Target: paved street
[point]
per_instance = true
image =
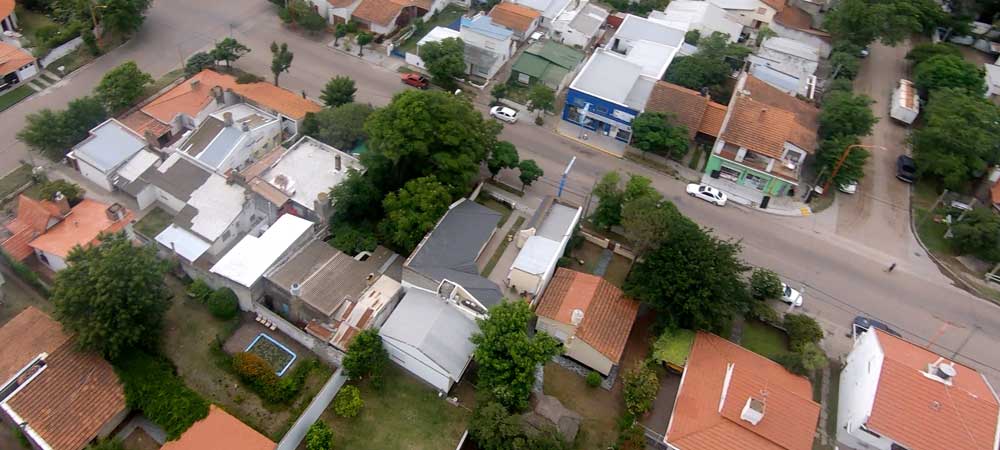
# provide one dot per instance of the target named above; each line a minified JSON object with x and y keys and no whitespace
{"x":839,"y":255}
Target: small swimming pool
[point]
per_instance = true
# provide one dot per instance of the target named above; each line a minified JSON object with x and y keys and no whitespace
{"x":276,"y":354}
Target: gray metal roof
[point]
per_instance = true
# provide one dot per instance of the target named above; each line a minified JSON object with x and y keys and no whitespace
{"x":178,"y":177}
{"x":589,"y":19}
{"x":109,"y":145}
{"x":434,"y":327}
{"x":558,"y":222}
{"x":451,"y":249}
{"x":608,"y":75}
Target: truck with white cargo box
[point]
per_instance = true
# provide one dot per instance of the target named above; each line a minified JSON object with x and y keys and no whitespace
{"x":905,"y":103}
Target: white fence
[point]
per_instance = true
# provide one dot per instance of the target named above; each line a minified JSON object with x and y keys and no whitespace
{"x":325,"y":351}
{"x":61,"y":51}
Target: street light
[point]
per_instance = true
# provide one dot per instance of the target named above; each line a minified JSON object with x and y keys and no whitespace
{"x":840,"y":162}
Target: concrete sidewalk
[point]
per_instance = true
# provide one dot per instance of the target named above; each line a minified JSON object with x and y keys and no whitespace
{"x":297,"y":433}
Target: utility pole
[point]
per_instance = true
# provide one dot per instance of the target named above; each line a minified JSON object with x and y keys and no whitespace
{"x":840,"y":162}
{"x":562,"y":181}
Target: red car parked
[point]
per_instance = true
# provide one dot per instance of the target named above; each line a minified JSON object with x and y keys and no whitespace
{"x":415,"y":79}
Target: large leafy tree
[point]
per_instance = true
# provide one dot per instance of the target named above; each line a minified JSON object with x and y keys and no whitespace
{"x":507,"y":356}
{"x":853,"y":168}
{"x":229,"y":50}
{"x":198,"y":62}
{"x":54,"y":133}
{"x":922,"y":52}
{"x":959,"y":138}
{"x":609,"y":201}
{"x":123,"y":16}
{"x":529,"y":172}
{"x":413,"y":211}
{"x":862,"y":22}
{"x":338,"y":91}
{"x":541,"y":97}
{"x":846,"y":114}
{"x":947,"y":71}
{"x":715,"y":60}
{"x":653,"y":132}
{"x":978,"y":233}
{"x":122,"y":87}
{"x":366,"y":357}
{"x":693,"y":279}
{"x":647,"y":221}
{"x":444,"y":59}
{"x":503,"y":156}
{"x":111,"y":296}
{"x":341,"y":127}
{"x":845,"y":61}
{"x":356,"y":199}
{"x":281,"y":60}
{"x":427,"y":133}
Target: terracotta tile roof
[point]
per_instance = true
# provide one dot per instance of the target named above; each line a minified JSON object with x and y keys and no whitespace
{"x":383,"y":12}
{"x":220,"y":431}
{"x":690,"y":108}
{"x":790,"y":415}
{"x":924,"y":414}
{"x":32,"y":220}
{"x":340,"y":3}
{"x":778,"y":5}
{"x":764,"y":118}
{"x":277,"y":99}
{"x":794,"y":17}
{"x":514,"y":16}
{"x":85,"y":221}
{"x":607,"y":315}
{"x":140,"y":122}
{"x":188,"y":98}
{"x":6,"y":7}
{"x":806,"y":114}
{"x":12,"y":58}
{"x":70,"y":401}
{"x":24,"y":337}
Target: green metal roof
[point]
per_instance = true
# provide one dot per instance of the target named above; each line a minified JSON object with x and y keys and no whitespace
{"x":531,"y":65}
{"x":558,"y":54}
{"x":554,"y":75}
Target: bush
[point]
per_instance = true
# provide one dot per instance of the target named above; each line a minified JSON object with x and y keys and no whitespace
{"x":72,"y":191}
{"x":805,"y":361}
{"x":539,"y":121}
{"x":152,"y":386}
{"x":765,"y":313}
{"x":250,"y":368}
{"x":593,"y":379}
{"x":198,"y":62}
{"x":366,"y":357}
{"x":765,"y":284}
{"x":348,"y":402}
{"x":247,"y":78}
{"x":640,"y":388}
{"x":223,"y":304}
{"x":353,"y":239}
{"x":801,"y":330}
{"x":319,"y":437}
{"x":200,"y":290}
{"x":255,"y":371}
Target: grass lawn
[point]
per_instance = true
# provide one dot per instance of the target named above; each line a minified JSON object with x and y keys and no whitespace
{"x":189,"y":341}
{"x":491,"y":203}
{"x":14,"y":180}
{"x":492,"y":263}
{"x":764,"y":339}
{"x":17,"y":296}
{"x":441,"y":19}
{"x":30,"y":21}
{"x":11,"y":97}
{"x":404,"y":414}
{"x":600,"y":408}
{"x":932,"y":234}
{"x":74,"y":60}
{"x":153,"y":222}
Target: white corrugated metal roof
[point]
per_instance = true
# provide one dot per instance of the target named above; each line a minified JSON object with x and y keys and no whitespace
{"x":537,"y":255}
{"x":246,"y":262}
{"x":185,"y":243}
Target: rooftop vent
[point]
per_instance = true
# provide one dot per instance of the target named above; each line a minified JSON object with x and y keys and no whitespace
{"x":945,"y":371}
{"x":576,"y":317}
{"x":295,"y":289}
{"x":753,"y":411}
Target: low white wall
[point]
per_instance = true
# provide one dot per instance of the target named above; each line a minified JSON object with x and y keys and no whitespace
{"x":61,"y":51}
{"x":325,"y":351}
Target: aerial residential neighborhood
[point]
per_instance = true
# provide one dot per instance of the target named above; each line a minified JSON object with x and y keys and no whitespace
{"x":499,"y":225}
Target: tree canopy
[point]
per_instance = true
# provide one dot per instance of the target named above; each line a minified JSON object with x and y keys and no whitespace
{"x":341,"y":127}
{"x":959,"y":137}
{"x":715,"y":60}
{"x":846,"y":114}
{"x":319,"y":436}
{"x":281,"y":59}
{"x":503,"y":156}
{"x":413,"y":211}
{"x":529,"y":172}
{"x":444,"y":59}
{"x":647,"y":221}
{"x":853,"y":168}
{"x":111,"y":296}
{"x":862,"y":22}
{"x":366,"y":357}
{"x":653,"y":132}
{"x":978,"y":233}
{"x":948,"y":71}
{"x":123,"y":16}
{"x":541,"y":97}
{"x":609,"y":201}
{"x":122,"y":87}
{"x":198,"y":62}
{"x":338,"y":91}
{"x":54,"y":133}
{"x":229,"y":50}
{"x":507,"y":356}
{"x":922,"y":52}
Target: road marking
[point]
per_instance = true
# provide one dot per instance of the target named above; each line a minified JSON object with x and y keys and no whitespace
{"x":806,"y":212}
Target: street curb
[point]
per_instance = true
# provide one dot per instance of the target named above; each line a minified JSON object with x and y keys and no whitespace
{"x":588,"y":144}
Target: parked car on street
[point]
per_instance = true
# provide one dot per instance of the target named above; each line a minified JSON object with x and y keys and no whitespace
{"x":906,"y":169}
{"x":415,"y":79}
{"x":862,"y":324}
{"x":504,"y":113}
{"x":707,"y":193}
{"x":790,"y":296}
{"x":849,"y":188}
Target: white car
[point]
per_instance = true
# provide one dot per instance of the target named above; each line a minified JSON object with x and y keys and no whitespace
{"x":790,"y":296}
{"x":707,"y":193}
{"x":504,"y":113}
{"x":849,"y":188}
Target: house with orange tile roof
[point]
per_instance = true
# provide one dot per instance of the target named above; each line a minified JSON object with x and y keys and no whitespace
{"x":590,"y":316}
{"x":693,"y":110}
{"x":16,"y":65}
{"x":764,"y":139}
{"x":897,"y":395}
{"x":8,"y":18}
{"x":48,"y":230}
{"x":335,"y":11}
{"x":793,"y":22}
{"x":520,"y":19}
{"x":220,"y":431}
{"x":385,"y":16}
{"x":59,"y":397}
{"x":732,"y":398}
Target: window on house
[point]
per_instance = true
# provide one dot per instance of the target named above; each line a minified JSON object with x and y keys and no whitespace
{"x":755,"y":181}
{"x":623,"y":135}
{"x":728,"y":173}
{"x":600,"y":109}
{"x":573,"y":114}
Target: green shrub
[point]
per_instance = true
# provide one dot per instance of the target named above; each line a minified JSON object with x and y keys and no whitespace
{"x":593,"y":379}
{"x":319,"y":437}
{"x":255,"y":371}
{"x":261,"y":378}
{"x":802,"y":329}
{"x":366,"y":357}
{"x":765,"y":313}
{"x":152,"y":386}
{"x":223,"y":304}
{"x":200,"y":290}
{"x":348,"y":402}
{"x":765,"y":284}
{"x":640,"y":388}
{"x":247,"y":78}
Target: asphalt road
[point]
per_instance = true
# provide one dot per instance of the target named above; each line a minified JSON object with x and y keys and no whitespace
{"x":841,"y":269}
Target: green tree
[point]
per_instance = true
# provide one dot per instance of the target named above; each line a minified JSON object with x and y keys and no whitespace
{"x":413,"y":211}
{"x":229,"y":50}
{"x":364,"y":38}
{"x":541,"y":97}
{"x":653,"y":132}
{"x":111,"y":296}
{"x":338,"y":32}
{"x":716,"y":59}
{"x":341,"y":127}
{"x":922,"y":52}
{"x":72,"y":191}
{"x":529,"y":172}
{"x":338,"y":91}
{"x":801,"y":330}
{"x":959,"y":138}
{"x":354,"y":239}
{"x":54,"y":133}
{"x":610,"y":199}
{"x":853,"y":168}
{"x":639,"y":388}
{"x":348,"y":402}
{"x":862,"y":22}
{"x":978,"y":233}
{"x":692,"y":37}
{"x":123,"y":17}
{"x":765,"y":284}
{"x":947,"y":71}
{"x":495,"y":428}
{"x":838,"y":85}
{"x":223,"y":304}
{"x":198,"y":62}
{"x":355,"y":200}
{"x":281,"y":59}
{"x":499,"y":91}
{"x":319,"y":436}
{"x":503,"y":156}
{"x":122,"y":87}
{"x":366,"y":357}
{"x":647,"y":221}
{"x":507,"y":356}
{"x":845,"y":62}
{"x":846,"y":114}
{"x":693,"y":279}
{"x":445,"y":60}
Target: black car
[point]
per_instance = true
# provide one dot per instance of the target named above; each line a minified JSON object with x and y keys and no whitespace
{"x":906,"y":169}
{"x":862,"y":324}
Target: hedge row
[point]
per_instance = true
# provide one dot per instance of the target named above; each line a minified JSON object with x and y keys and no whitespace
{"x":261,"y":378}
{"x":152,"y":386}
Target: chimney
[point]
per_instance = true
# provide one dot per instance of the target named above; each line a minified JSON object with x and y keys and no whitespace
{"x":115,"y":212}
{"x":295,"y":289}
{"x":753,"y":411}
{"x":945,"y":371}
{"x":151,"y":140}
{"x":336,"y":163}
{"x":245,"y":126}
{"x":195,"y":84}
{"x":576,"y":317}
{"x":62,"y":203}
{"x":227,"y":118}
{"x":321,"y":204}
{"x":218,"y":95}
